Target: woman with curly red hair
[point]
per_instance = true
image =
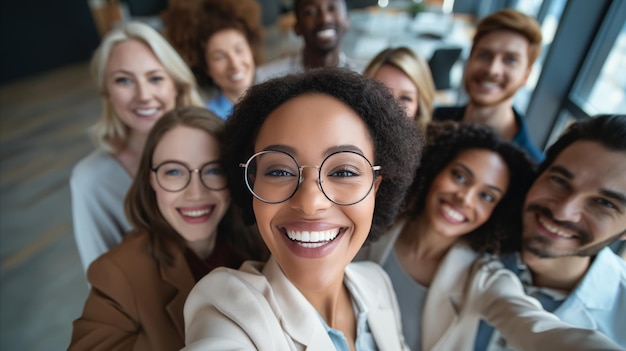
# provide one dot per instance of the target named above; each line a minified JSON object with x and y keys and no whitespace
{"x":221,"y":41}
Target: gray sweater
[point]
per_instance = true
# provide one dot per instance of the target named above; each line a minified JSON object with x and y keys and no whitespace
{"x":98,"y":184}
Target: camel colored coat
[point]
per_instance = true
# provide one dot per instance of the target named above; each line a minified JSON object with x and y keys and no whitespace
{"x":135,"y":303}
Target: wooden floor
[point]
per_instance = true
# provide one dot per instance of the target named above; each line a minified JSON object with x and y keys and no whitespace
{"x":43,"y":122}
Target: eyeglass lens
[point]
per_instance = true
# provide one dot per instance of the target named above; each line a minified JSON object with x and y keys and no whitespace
{"x":344,"y":177}
{"x":174,"y":176}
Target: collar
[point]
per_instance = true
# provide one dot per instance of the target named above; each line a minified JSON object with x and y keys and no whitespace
{"x":379,"y":250}
{"x":446,"y":293}
{"x":606,"y":271}
{"x":526,"y":277}
{"x":296,"y":315}
{"x":362,"y":331}
{"x":300,"y":320}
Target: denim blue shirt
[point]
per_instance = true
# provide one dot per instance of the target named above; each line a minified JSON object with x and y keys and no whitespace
{"x":220,"y":105}
{"x":364,"y":339}
{"x":522,"y":139}
{"x":598,"y":302}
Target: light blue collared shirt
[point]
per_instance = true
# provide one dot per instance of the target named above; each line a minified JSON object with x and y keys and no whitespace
{"x":220,"y":105}
{"x":598,"y":302}
{"x":364,"y":339}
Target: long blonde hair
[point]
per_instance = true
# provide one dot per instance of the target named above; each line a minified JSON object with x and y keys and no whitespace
{"x":110,"y":133}
{"x":414,"y":67}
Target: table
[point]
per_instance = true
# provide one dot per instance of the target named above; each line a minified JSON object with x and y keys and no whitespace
{"x":374,"y":29}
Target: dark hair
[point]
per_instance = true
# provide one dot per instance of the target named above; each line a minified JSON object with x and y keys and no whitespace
{"x":608,"y":130}
{"x":397,"y":141}
{"x":190,"y":24}
{"x":445,"y":140}
{"x":141,"y":206}
{"x":514,"y":21}
{"x":298,"y":3}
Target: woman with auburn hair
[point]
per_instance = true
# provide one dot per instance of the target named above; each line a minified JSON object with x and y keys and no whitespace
{"x":221,"y":40}
{"x":139,"y":77}
{"x":408,"y":76}
{"x":184,"y":226}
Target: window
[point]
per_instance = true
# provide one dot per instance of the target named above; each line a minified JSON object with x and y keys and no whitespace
{"x":549,"y":23}
{"x":608,"y":94}
{"x":582,"y":73}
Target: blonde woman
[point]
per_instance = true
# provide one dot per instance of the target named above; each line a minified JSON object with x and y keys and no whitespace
{"x":408,"y":76}
{"x":140,"y":77}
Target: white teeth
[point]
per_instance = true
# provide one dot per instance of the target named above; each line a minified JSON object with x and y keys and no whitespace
{"x":456,"y":215}
{"x":311,"y":245}
{"x":312,"y":239}
{"x":238,"y":76}
{"x":197,"y":213}
{"x":326,"y":33}
{"x":554,"y":230}
{"x":146,"y":112}
{"x":489,"y":84}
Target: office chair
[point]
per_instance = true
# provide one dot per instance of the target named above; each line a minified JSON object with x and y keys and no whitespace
{"x":440,"y":65}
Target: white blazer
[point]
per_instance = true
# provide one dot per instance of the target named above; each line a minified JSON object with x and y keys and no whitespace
{"x":258,"y":308}
{"x":468,"y":287}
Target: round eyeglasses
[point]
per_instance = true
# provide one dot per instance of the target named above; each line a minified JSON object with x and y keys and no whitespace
{"x":174,"y":176}
{"x":345,"y":177}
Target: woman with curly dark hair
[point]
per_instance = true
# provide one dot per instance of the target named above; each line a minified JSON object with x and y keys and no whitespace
{"x":221,"y":41}
{"x":465,"y":199}
{"x":469,"y":189}
{"x":320,"y":162}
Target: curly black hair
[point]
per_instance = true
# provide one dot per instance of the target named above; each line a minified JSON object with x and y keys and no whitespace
{"x":188,"y":25}
{"x":397,"y":141}
{"x":445,"y":140}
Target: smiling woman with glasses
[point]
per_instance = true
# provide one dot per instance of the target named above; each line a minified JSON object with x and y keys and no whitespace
{"x":179,"y":206}
{"x":320,"y":162}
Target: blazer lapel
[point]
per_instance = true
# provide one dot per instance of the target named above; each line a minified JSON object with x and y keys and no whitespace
{"x":179,"y":277}
{"x":380,"y":319}
{"x":297,"y":316}
{"x":441,"y":308}
{"x":379,"y":250}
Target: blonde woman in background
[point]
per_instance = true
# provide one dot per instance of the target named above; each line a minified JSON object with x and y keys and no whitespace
{"x":140,"y":77}
{"x":408,"y":76}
